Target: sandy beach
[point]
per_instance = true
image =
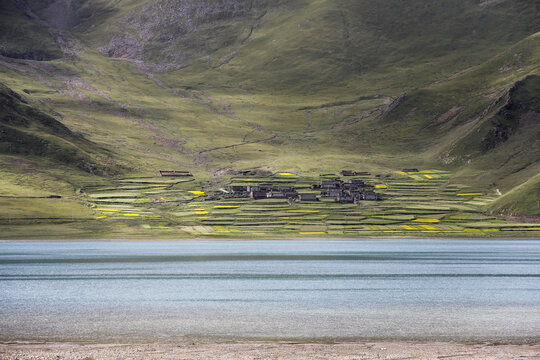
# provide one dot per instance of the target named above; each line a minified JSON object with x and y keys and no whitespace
{"x":271,"y":350}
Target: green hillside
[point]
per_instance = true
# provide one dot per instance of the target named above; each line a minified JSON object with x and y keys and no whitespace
{"x":522,"y":199}
{"x":27,"y":131}
{"x":96,"y":91}
{"x":24,"y":36}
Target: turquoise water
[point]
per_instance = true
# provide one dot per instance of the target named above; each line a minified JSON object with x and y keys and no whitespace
{"x":307,"y":290}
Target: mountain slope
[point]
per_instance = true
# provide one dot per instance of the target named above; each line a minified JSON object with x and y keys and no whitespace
{"x":315,"y":46}
{"x":523,"y":199}
{"x":24,"y":37}
{"x":306,"y":86}
{"x":25,"y":130}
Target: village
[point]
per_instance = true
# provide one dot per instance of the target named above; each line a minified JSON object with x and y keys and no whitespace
{"x":258,"y":202}
{"x":345,"y":192}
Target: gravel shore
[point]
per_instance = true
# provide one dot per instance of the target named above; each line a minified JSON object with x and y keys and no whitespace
{"x":270,"y":350}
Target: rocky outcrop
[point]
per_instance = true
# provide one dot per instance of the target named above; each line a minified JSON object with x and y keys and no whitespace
{"x":172,"y":33}
{"x":60,"y":14}
{"x":522,"y":109}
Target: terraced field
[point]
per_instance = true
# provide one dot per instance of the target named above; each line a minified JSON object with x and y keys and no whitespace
{"x":413,"y":204}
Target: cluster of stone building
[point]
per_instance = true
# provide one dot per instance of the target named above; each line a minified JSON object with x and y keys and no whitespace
{"x":269,"y":191}
{"x":351,"y":191}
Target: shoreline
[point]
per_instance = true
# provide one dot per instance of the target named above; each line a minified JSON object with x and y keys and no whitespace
{"x":271,"y":350}
{"x":375,"y":238}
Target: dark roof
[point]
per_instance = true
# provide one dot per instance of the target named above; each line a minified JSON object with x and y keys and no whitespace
{"x":369,"y":195}
{"x":282,"y":194}
{"x":308,"y":197}
{"x":330,"y":184}
{"x":291,"y":194}
{"x":286,"y":188}
{"x":345,"y":199}
{"x":258,"y":195}
{"x":335,"y":192}
{"x":174,"y":173}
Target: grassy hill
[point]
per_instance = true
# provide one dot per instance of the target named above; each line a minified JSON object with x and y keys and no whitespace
{"x":28,"y":131}
{"x":24,"y":36}
{"x":522,"y":199}
{"x":134,"y":86}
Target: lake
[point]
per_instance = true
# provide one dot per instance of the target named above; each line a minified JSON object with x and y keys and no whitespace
{"x":168,"y":291}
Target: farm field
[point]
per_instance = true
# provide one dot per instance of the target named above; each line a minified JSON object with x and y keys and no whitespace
{"x":414,"y":204}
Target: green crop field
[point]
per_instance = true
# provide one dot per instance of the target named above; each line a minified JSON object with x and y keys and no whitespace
{"x":411,"y":205}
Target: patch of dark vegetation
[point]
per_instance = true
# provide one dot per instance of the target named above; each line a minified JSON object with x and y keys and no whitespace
{"x":29,"y":55}
{"x":26,"y":130}
{"x":15,"y":111}
{"x":522,"y":107}
{"x":340,"y":103}
{"x":23,"y":37}
{"x":254,"y":172}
